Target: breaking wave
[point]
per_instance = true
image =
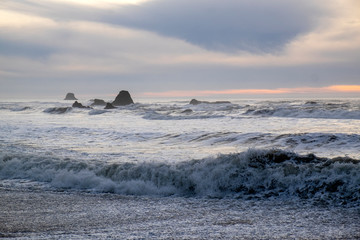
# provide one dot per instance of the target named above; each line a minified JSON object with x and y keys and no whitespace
{"x":58,"y":110}
{"x":186,"y":114}
{"x":308,"y":109}
{"x":247,"y":175}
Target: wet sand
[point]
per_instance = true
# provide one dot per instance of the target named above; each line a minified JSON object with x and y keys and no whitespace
{"x":44,"y":214}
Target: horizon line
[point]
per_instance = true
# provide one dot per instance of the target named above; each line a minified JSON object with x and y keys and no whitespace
{"x":298,"y":90}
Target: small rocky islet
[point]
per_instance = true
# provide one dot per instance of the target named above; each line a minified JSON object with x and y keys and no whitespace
{"x":196,"y":102}
{"x":122,"y":99}
{"x":70,"y":96}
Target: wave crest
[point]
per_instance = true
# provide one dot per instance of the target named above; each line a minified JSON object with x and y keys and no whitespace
{"x":251,"y":174}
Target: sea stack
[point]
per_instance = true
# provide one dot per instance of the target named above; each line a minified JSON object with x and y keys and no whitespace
{"x":70,"y":96}
{"x":122,"y":99}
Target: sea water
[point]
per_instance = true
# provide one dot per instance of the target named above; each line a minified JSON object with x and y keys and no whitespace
{"x":280,"y":168}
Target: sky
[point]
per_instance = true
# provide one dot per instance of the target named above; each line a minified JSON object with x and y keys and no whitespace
{"x":179,"y":48}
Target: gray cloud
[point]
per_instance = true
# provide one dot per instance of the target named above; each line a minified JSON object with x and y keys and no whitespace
{"x":232,"y":25}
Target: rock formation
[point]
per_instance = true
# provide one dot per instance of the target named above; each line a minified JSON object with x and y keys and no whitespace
{"x":196,"y":102}
{"x":109,"y":106}
{"x":122,"y":99}
{"x":76,"y":104}
{"x":98,"y":102}
{"x":70,"y":96}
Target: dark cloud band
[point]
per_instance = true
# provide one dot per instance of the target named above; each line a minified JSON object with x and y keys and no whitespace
{"x":231,"y":25}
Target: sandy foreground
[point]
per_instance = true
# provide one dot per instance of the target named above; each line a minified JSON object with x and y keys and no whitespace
{"x":61,"y":215}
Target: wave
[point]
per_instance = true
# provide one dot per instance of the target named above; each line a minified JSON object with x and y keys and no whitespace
{"x":308,"y":109}
{"x":14,"y":107}
{"x":20,"y":109}
{"x":58,"y":110}
{"x":334,"y":143}
{"x":259,"y":174}
{"x":186,"y":114}
{"x":328,"y":142}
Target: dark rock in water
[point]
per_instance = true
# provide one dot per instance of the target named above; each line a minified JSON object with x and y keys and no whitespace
{"x":196,"y":102}
{"x":187,"y":111}
{"x":76,"y":104}
{"x":58,"y":110}
{"x":98,"y":102}
{"x":70,"y":96}
{"x":109,"y":106}
{"x":122,"y":99}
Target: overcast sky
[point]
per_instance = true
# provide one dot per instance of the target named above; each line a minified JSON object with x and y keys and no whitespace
{"x":179,"y":47}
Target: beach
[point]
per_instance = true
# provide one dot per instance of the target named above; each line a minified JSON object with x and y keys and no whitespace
{"x":60,"y":215}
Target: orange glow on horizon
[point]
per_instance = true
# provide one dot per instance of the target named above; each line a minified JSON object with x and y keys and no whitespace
{"x":345,"y":88}
{"x":302,"y":90}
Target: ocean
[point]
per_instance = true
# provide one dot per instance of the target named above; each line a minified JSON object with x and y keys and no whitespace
{"x":167,"y":169}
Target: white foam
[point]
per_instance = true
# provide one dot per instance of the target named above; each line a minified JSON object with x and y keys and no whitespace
{"x":254,"y":173}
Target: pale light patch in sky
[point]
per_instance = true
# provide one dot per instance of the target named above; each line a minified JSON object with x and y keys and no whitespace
{"x":101,"y":3}
{"x":11,"y":19}
{"x":332,"y":41}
